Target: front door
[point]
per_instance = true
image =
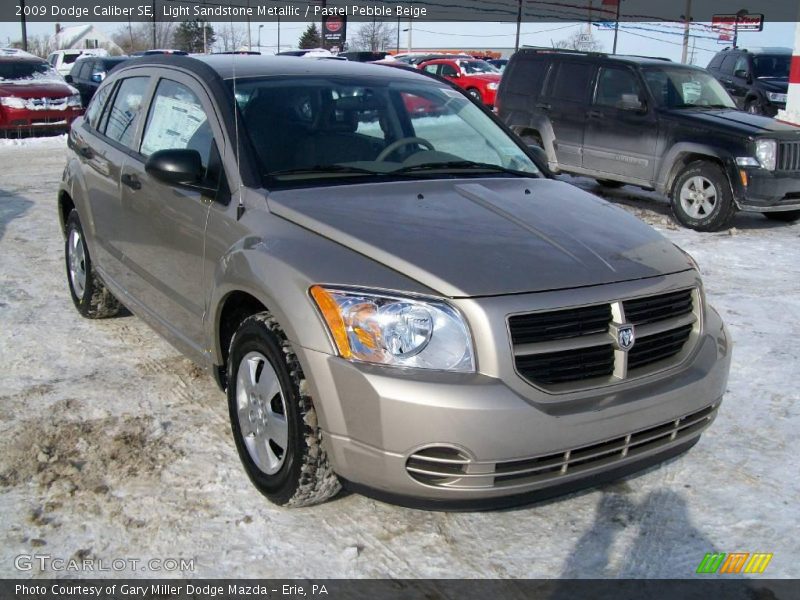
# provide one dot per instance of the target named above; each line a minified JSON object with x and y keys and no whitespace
{"x":621,"y":131}
{"x":168,"y":222}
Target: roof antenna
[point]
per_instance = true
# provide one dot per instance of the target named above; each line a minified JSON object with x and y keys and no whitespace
{"x":240,"y":205}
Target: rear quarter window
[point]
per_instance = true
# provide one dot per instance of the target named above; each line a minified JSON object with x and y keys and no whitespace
{"x":716,"y":62}
{"x":728,"y":63}
{"x":527,"y":77}
{"x":571,"y":81}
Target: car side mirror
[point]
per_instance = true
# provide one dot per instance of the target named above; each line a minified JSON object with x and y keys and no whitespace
{"x":632,"y":102}
{"x":742,"y":74}
{"x":68,"y":78}
{"x":455,"y":75}
{"x":176,"y":167}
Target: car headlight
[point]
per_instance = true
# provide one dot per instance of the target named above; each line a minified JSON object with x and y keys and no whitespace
{"x":395,"y":331}
{"x":767,"y":153}
{"x":75,"y":101}
{"x":777,"y":97}
{"x":491,"y":86}
{"x":12,"y":102}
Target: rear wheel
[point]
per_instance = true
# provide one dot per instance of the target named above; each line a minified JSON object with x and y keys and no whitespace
{"x":787,"y":216}
{"x":89,"y":294}
{"x":701,"y":197}
{"x":753,"y":107}
{"x":273,"y":419}
{"x":609,"y":183}
{"x":475,"y":94}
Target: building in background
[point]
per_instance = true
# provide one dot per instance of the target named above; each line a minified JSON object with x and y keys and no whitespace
{"x":82,"y":37}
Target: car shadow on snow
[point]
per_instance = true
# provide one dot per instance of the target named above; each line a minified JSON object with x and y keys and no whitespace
{"x":12,"y":207}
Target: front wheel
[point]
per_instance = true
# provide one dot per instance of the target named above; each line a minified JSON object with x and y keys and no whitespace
{"x":753,"y":107}
{"x":273,"y":419}
{"x":475,"y":94}
{"x":701,"y":197}
{"x":786,"y":216}
{"x":89,"y":294}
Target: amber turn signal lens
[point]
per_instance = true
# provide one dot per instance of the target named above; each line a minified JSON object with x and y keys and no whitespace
{"x":333,"y":318}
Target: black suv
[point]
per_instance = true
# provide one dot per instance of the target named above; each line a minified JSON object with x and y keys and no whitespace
{"x":758,"y":80}
{"x":656,"y":124}
{"x":88,"y":73}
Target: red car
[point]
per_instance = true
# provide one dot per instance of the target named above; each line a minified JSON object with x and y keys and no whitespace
{"x":477,"y":77}
{"x":33,"y":96}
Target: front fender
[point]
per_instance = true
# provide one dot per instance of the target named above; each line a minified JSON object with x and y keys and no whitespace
{"x":672,"y":161}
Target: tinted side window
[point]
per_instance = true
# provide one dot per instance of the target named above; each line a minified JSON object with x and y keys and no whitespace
{"x":741,"y":64}
{"x":177,"y":121}
{"x":95,"y":108}
{"x":727,"y":64}
{"x":85,"y":68}
{"x":527,"y":77}
{"x":716,"y":61}
{"x":126,"y":110}
{"x":431,"y":69}
{"x":571,"y":81}
{"x":614,"y":85}
{"x":449,"y":71}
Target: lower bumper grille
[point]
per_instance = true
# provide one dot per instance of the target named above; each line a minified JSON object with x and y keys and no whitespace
{"x":452,"y":468}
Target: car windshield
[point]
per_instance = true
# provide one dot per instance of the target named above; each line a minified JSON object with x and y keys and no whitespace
{"x":771,"y":65}
{"x":25,"y":71}
{"x":305,"y":129}
{"x":471,"y":67}
{"x":686,"y":88}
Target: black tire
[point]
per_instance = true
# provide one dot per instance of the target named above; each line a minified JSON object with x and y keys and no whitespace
{"x":304,"y":476}
{"x":609,"y":183}
{"x":475,"y":94}
{"x":787,"y":216}
{"x":92,"y":299}
{"x":711,"y":210}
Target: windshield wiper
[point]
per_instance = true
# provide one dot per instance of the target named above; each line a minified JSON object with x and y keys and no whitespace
{"x":459,"y":165}
{"x":322,"y":169}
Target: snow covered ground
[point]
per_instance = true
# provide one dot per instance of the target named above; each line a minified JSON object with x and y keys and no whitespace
{"x":114,"y":446}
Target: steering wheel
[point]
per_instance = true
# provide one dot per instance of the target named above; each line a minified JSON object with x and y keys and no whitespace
{"x":387,"y":152}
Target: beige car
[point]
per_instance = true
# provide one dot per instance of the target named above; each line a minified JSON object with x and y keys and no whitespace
{"x":393,"y":296}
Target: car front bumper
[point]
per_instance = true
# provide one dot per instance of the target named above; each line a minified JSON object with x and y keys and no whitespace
{"x":13,"y":119}
{"x":767,"y":191}
{"x":447,"y":440}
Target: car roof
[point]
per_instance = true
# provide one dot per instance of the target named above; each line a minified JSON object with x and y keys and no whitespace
{"x":600,"y":56}
{"x":246,"y":66}
{"x":14,"y":55}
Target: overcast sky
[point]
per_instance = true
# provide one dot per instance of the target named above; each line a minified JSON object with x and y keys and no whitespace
{"x":634,"y":38}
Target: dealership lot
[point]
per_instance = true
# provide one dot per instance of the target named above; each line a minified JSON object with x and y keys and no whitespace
{"x":114,"y":446}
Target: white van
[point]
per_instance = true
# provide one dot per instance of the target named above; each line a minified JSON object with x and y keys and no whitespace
{"x":62,"y":60}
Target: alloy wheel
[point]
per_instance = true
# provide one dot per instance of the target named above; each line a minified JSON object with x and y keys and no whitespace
{"x":77,"y":262}
{"x":698,"y":197}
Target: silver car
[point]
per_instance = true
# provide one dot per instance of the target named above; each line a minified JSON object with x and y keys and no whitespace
{"x":392,"y":294}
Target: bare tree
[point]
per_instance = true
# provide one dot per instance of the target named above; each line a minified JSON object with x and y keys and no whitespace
{"x":230,"y":36}
{"x":580,"y":41}
{"x":37,"y":44}
{"x":374,"y":36}
{"x":135,"y":37}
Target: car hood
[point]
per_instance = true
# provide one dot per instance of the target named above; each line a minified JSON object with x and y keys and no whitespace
{"x":36,"y":89}
{"x":487,"y":236}
{"x":774,"y":84}
{"x":736,"y":121}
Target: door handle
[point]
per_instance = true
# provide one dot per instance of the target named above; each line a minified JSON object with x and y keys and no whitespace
{"x":131,"y":181}
{"x":544,"y":106}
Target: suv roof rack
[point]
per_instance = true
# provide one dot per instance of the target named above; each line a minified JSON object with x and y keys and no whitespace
{"x":546,"y":50}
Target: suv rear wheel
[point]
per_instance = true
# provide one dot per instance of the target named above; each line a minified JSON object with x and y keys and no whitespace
{"x":273,"y":419}
{"x":89,"y":294}
{"x":701,"y":197}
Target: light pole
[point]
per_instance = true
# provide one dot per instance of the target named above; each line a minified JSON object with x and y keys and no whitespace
{"x":739,"y":15}
{"x":260,"y":27}
{"x":279,"y":33}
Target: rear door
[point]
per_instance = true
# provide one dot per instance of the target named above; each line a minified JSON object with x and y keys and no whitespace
{"x":726,"y":74}
{"x":167,"y":222}
{"x":620,"y":139}
{"x":566,"y":103}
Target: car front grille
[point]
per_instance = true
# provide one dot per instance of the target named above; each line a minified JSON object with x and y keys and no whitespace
{"x":452,"y":468}
{"x":578,"y":347}
{"x":788,"y":156}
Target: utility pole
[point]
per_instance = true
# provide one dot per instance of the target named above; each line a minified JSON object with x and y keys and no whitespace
{"x":740,"y":14}
{"x":616,"y":27}
{"x":154,"y":25}
{"x":409,"y":34}
{"x":24,"y":25}
{"x":398,"y":35}
{"x":249,"y":33}
{"x":687,"y":19}
{"x":519,"y":24}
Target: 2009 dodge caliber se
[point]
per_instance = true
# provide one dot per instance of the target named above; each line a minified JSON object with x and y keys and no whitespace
{"x":391,"y":293}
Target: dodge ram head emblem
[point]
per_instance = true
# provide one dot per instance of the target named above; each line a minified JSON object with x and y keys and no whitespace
{"x":625,"y":337}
